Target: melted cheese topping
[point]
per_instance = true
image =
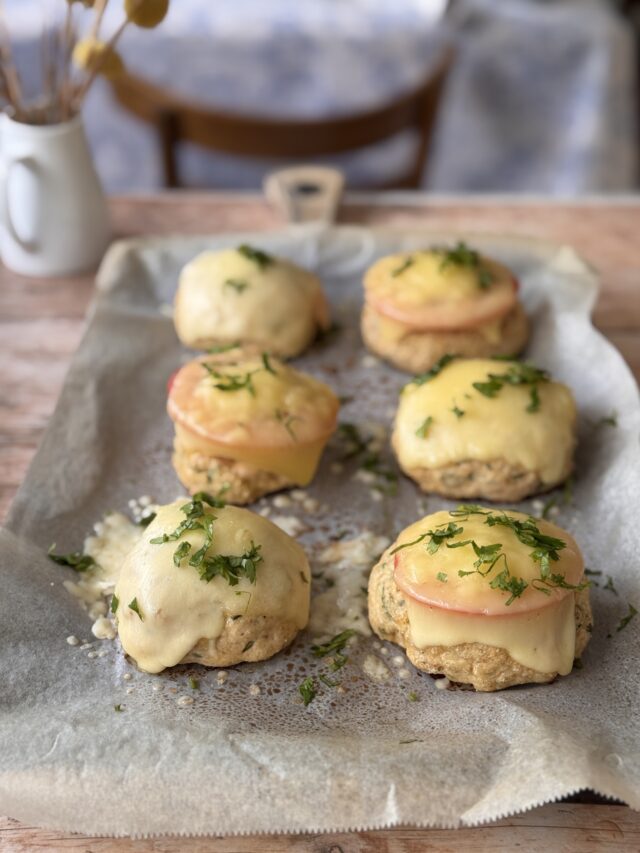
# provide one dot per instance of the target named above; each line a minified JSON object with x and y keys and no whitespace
{"x":224,"y":297}
{"x":426,"y":279}
{"x":280,"y":425}
{"x":417,"y":570}
{"x":543,"y":640}
{"x":491,"y":428}
{"x":446,"y":609}
{"x":179,"y":609}
{"x":298,"y":463}
{"x":391,"y":331}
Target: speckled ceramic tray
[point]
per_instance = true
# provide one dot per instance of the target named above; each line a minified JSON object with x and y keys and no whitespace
{"x":247,"y":755}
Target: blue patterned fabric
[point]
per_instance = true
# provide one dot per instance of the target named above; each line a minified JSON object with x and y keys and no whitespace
{"x":541,"y":99}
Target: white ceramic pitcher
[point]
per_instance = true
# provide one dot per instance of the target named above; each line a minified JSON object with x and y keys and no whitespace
{"x":53,"y":213}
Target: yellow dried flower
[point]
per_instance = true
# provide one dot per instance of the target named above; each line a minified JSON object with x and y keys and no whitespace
{"x":146,"y":13}
{"x":94,"y":55}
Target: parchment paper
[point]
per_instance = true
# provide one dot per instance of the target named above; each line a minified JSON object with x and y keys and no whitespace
{"x":235,"y":762}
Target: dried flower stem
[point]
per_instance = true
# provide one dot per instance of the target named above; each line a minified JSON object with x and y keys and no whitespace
{"x":11,"y":78}
{"x":110,"y":45}
{"x":65,"y":84}
{"x":99,"y":10}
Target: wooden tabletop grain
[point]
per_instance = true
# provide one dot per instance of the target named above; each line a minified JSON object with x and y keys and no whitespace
{"x":41,"y":322}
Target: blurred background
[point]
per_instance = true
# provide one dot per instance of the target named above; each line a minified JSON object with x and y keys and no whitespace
{"x":536,"y":97}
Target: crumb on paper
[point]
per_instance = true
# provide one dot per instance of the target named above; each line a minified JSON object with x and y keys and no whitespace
{"x":73,"y":640}
{"x":254,"y":690}
{"x":376,"y":669}
{"x":185,"y":700}
{"x":222,"y":676}
{"x":442,"y":683}
{"x":346,"y":565}
{"x":104,"y":629}
{"x":364,"y":476}
{"x":290,"y":524}
{"x":369,"y":362}
{"x":282,"y":501}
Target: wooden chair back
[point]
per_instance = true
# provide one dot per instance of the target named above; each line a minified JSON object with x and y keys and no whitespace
{"x":176,"y":120}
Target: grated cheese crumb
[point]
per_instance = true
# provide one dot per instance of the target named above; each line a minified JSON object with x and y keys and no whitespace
{"x":73,"y":640}
{"x":290,"y":524}
{"x":375,"y":669}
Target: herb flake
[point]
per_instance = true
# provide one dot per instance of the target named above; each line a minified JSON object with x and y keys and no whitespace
{"x":262,"y":259}
{"x":133,"y":605}
{"x":308,"y":690}
{"x":76,"y":560}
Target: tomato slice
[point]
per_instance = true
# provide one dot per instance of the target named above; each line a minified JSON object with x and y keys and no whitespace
{"x":441,"y":316}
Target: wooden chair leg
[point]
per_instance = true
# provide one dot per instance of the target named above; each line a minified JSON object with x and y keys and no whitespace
{"x":167,"y":127}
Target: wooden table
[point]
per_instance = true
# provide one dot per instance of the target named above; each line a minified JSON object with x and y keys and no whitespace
{"x":41,"y":322}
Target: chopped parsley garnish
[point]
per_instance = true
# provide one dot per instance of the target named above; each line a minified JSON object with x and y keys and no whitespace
{"x":387,"y":477}
{"x":437,"y":368}
{"x":133,"y":605}
{"x":611,"y":420}
{"x":194,"y":683}
{"x":181,"y":552}
{"x":610,"y":585}
{"x":223,"y":348}
{"x":625,"y":620}
{"x":262,"y":259}
{"x":357,"y":445}
{"x":412,"y":696}
{"x":328,"y":681}
{"x":436,"y":537}
{"x":423,"y":429}
{"x":248,"y":645}
{"x":442,"y":577}
{"x":287,"y":420}
{"x":463,"y":256}
{"x":146,"y":520}
{"x":115,"y":601}
{"x":567,"y":492}
{"x":518,"y":373}
{"x":457,"y":412}
{"x":232,"y":381}
{"x":403,"y":266}
{"x":230,"y":567}
{"x":267,"y":364}
{"x":549,"y":505}
{"x":76,"y":560}
{"x":336,"y":644}
{"x":308,"y":690}
{"x":545,"y":551}
{"x":236,"y":284}
{"x":118,"y":708}
{"x":225,"y":381}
